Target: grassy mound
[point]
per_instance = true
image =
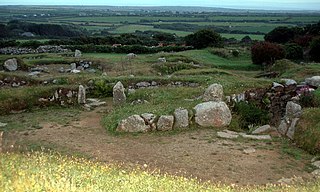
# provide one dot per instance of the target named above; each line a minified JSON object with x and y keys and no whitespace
{"x":308,"y":130}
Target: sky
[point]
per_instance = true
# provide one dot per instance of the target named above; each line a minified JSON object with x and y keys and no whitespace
{"x":242,"y":4}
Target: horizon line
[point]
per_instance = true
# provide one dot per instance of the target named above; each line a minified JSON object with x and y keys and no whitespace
{"x":190,"y":6}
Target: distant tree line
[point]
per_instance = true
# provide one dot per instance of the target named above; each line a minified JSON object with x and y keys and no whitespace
{"x":194,"y":27}
{"x":15,"y":28}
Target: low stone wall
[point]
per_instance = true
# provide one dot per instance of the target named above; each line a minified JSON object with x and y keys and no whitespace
{"x":40,"y":49}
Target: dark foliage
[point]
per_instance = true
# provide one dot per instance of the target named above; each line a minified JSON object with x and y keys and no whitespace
{"x":204,"y":38}
{"x":265,"y":53}
{"x":293,"y":51}
{"x":315,"y":50}
{"x":15,"y":28}
{"x":251,"y":115}
{"x":280,"y":35}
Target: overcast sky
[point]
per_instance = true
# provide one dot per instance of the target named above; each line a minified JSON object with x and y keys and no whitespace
{"x":260,"y":4}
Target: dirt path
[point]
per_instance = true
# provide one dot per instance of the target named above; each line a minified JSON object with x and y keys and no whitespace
{"x":196,"y":153}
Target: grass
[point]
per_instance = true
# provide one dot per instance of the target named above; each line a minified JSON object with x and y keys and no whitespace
{"x":307,"y":134}
{"x":39,"y":171}
{"x":24,"y":97}
{"x":32,"y":120}
{"x":133,"y":28}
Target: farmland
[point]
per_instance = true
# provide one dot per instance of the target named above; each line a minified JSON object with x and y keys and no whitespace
{"x":231,"y":24}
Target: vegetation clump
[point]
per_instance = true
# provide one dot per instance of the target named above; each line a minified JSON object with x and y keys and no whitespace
{"x":204,"y":38}
{"x":265,"y":53}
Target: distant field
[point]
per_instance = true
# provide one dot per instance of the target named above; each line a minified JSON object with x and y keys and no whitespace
{"x":133,"y":28}
{"x":130,"y":21}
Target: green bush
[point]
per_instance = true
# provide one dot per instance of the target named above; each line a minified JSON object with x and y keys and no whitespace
{"x":293,"y":51}
{"x":204,"y":38}
{"x":221,"y":52}
{"x":102,"y":89}
{"x":310,"y":99}
{"x":249,"y":115}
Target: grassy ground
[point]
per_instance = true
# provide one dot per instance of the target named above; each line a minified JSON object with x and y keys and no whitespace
{"x":308,"y":130}
{"x":53,"y":172}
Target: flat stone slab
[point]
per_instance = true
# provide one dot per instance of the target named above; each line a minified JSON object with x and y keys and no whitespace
{"x":262,"y":129}
{"x":258,"y":137}
{"x":227,"y":135}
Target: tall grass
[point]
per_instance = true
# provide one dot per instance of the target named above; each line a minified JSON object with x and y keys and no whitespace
{"x":39,"y":171}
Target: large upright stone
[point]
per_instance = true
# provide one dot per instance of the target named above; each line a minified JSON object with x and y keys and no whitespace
{"x":134,"y":123}
{"x":81,"y":95}
{"x":313,"y":81}
{"x":212,"y":114}
{"x":181,"y":118}
{"x":119,"y":97}
{"x":11,"y":64}
{"x":165,"y":123}
{"x":77,"y":53}
{"x":213,"y":93}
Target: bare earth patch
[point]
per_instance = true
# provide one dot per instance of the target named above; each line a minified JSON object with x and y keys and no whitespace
{"x":196,"y":153}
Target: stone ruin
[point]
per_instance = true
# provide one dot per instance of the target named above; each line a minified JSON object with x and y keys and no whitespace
{"x":213,"y":113}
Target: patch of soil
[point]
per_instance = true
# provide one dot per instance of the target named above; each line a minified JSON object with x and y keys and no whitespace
{"x":196,"y":153}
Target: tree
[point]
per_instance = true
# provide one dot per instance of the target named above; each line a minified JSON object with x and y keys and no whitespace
{"x":204,"y":38}
{"x":280,"y":35}
{"x":315,"y":50}
{"x":266,"y":53}
{"x":293,"y":51}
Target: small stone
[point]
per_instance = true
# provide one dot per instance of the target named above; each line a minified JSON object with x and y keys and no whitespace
{"x":258,"y":137}
{"x":316,"y":164}
{"x":81,"y":95}
{"x":292,"y":128}
{"x":3,"y":124}
{"x":134,"y":123}
{"x":262,"y":129}
{"x":293,"y":110}
{"x":316,"y":173}
{"x":77,"y":53}
{"x":283,"y":127}
{"x":143,"y":84}
{"x":162,"y":60}
{"x":212,"y":114}
{"x":75,"y":71}
{"x":61,"y":70}
{"x":11,"y":64}
{"x":249,"y":150}
{"x":181,"y":118}
{"x":165,"y":123}
{"x":313,"y":81}
{"x":289,"y":82}
{"x":150,"y":119}
{"x":227,"y":135}
{"x":35,"y":73}
{"x":119,"y":97}
{"x":73,"y":66}
{"x":277,"y":87}
{"x":213,"y":93}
